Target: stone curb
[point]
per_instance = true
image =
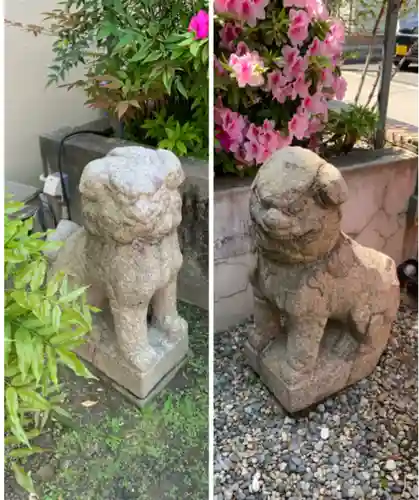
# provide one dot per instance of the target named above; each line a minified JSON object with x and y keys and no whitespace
{"x":402,"y":135}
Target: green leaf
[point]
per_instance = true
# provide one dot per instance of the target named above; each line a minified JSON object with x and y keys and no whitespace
{"x":181,"y":88}
{"x":7,"y":340}
{"x":26,"y":452}
{"x":23,"y":479}
{"x":34,"y":399}
{"x":73,"y":362}
{"x":37,"y":363}
{"x":38,"y":276}
{"x":67,"y":337}
{"x":23,"y":343}
{"x":56,"y":317}
{"x":72,"y":296}
{"x":12,"y":407}
{"x":12,"y":440}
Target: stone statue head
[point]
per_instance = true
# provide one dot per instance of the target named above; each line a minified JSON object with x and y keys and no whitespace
{"x":295,"y":204}
{"x":132,"y":194}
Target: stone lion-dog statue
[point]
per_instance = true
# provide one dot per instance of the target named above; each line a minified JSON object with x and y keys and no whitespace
{"x":128,"y":250}
{"x":308,"y":273}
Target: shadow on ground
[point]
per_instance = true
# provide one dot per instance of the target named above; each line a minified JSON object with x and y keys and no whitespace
{"x":114,"y":451}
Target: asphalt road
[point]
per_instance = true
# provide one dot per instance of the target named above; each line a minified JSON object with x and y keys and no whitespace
{"x":403,"y":103}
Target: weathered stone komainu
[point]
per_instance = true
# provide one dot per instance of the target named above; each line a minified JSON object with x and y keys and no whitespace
{"x":324,"y":304}
{"x":128,"y":251}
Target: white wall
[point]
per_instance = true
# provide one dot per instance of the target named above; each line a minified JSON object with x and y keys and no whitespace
{"x":31,"y":109}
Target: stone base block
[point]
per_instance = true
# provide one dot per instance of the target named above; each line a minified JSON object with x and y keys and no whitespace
{"x":341,"y":363}
{"x":103,"y":352}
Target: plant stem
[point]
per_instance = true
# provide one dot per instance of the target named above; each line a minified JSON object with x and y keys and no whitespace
{"x":367,"y":61}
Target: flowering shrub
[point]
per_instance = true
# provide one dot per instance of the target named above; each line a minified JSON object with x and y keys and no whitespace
{"x":144,"y":61}
{"x":276,"y":68}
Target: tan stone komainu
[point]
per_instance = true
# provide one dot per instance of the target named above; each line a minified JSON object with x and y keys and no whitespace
{"x":128,"y":252}
{"x":324,"y":304}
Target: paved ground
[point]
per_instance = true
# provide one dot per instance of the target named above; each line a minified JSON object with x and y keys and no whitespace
{"x":403,"y":104}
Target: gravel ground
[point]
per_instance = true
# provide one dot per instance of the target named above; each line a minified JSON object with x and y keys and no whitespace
{"x":360,"y":444}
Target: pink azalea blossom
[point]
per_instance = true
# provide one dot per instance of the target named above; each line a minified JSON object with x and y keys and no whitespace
{"x":247,"y":69}
{"x":301,"y":87}
{"x":326,"y":77}
{"x":316,"y":48}
{"x":294,"y":64}
{"x":315,"y":125}
{"x":199,"y":25}
{"x":317,"y":10}
{"x":298,"y":124}
{"x":276,"y":84}
{"x":244,"y":10}
{"x":298,"y":28}
{"x":228,"y":35}
{"x":339,"y":86}
{"x":242,"y":49}
{"x":334,"y":40}
{"x":315,"y":103}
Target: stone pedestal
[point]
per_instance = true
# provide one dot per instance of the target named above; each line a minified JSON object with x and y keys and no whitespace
{"x":334,"y":370}
{"x":103,"y":352}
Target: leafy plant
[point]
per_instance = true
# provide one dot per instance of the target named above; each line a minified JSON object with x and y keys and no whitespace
{"x":277,"y":65}
{"x":44,"y":320}
{"x":138,"y":57}
{"x":348,"y":126}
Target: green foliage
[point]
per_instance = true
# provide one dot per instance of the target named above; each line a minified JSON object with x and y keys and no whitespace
{"x":348,"y":126}
{"x":44,"y":320}
{"x":138,"y":58}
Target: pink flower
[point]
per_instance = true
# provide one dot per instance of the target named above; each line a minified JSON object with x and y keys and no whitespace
{"x":317,"y":10}
{"x":298,"y":124}
{"x":294,"y":65}
{"x":199,"y":25}
{"x":228,"y":35}
{"x":298,"y":28}
{"x":315,"y":125}
{"x":276,"y":84}
{"x":326,"y":77}
{"x":244,"y":10}
{"x":301,"y":87}
{"x":247,"y":69}
{"x":253,"y":152}
{"x":242,"y":49}
{"x":334,"y":40}
{"x":339,"y":86}
{"x":316,"y":48}
{"x":233,"y":124}
{"x":315,"y":104}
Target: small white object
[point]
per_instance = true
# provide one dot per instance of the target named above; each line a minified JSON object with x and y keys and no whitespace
{"x":255,"y":486}
{"x":52,"y":185}
{"x":390,"y":465}
{"x":324,"y":433}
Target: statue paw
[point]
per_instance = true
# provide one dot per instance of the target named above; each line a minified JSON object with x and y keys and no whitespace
{"x":174,"y":326}
{"x":294,"y":369}
{"x":143,"y":357}
{"x":257,"y":341}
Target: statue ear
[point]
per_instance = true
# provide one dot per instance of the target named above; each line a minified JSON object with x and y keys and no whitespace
{"x":331,"y":186}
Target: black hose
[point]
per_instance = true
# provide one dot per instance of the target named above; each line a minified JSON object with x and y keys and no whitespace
{"x":104,"y":133}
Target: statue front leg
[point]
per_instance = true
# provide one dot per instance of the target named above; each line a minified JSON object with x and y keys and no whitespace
{"x":165,"y":313}
{"x":132,"y":333}
{"x":304,"y":335}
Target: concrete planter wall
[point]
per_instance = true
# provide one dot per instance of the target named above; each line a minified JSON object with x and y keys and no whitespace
{"x":79,"y":150}
{"x":380,"y":185}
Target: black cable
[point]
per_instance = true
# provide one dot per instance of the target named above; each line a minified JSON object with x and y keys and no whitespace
{"x":104,"y":133}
